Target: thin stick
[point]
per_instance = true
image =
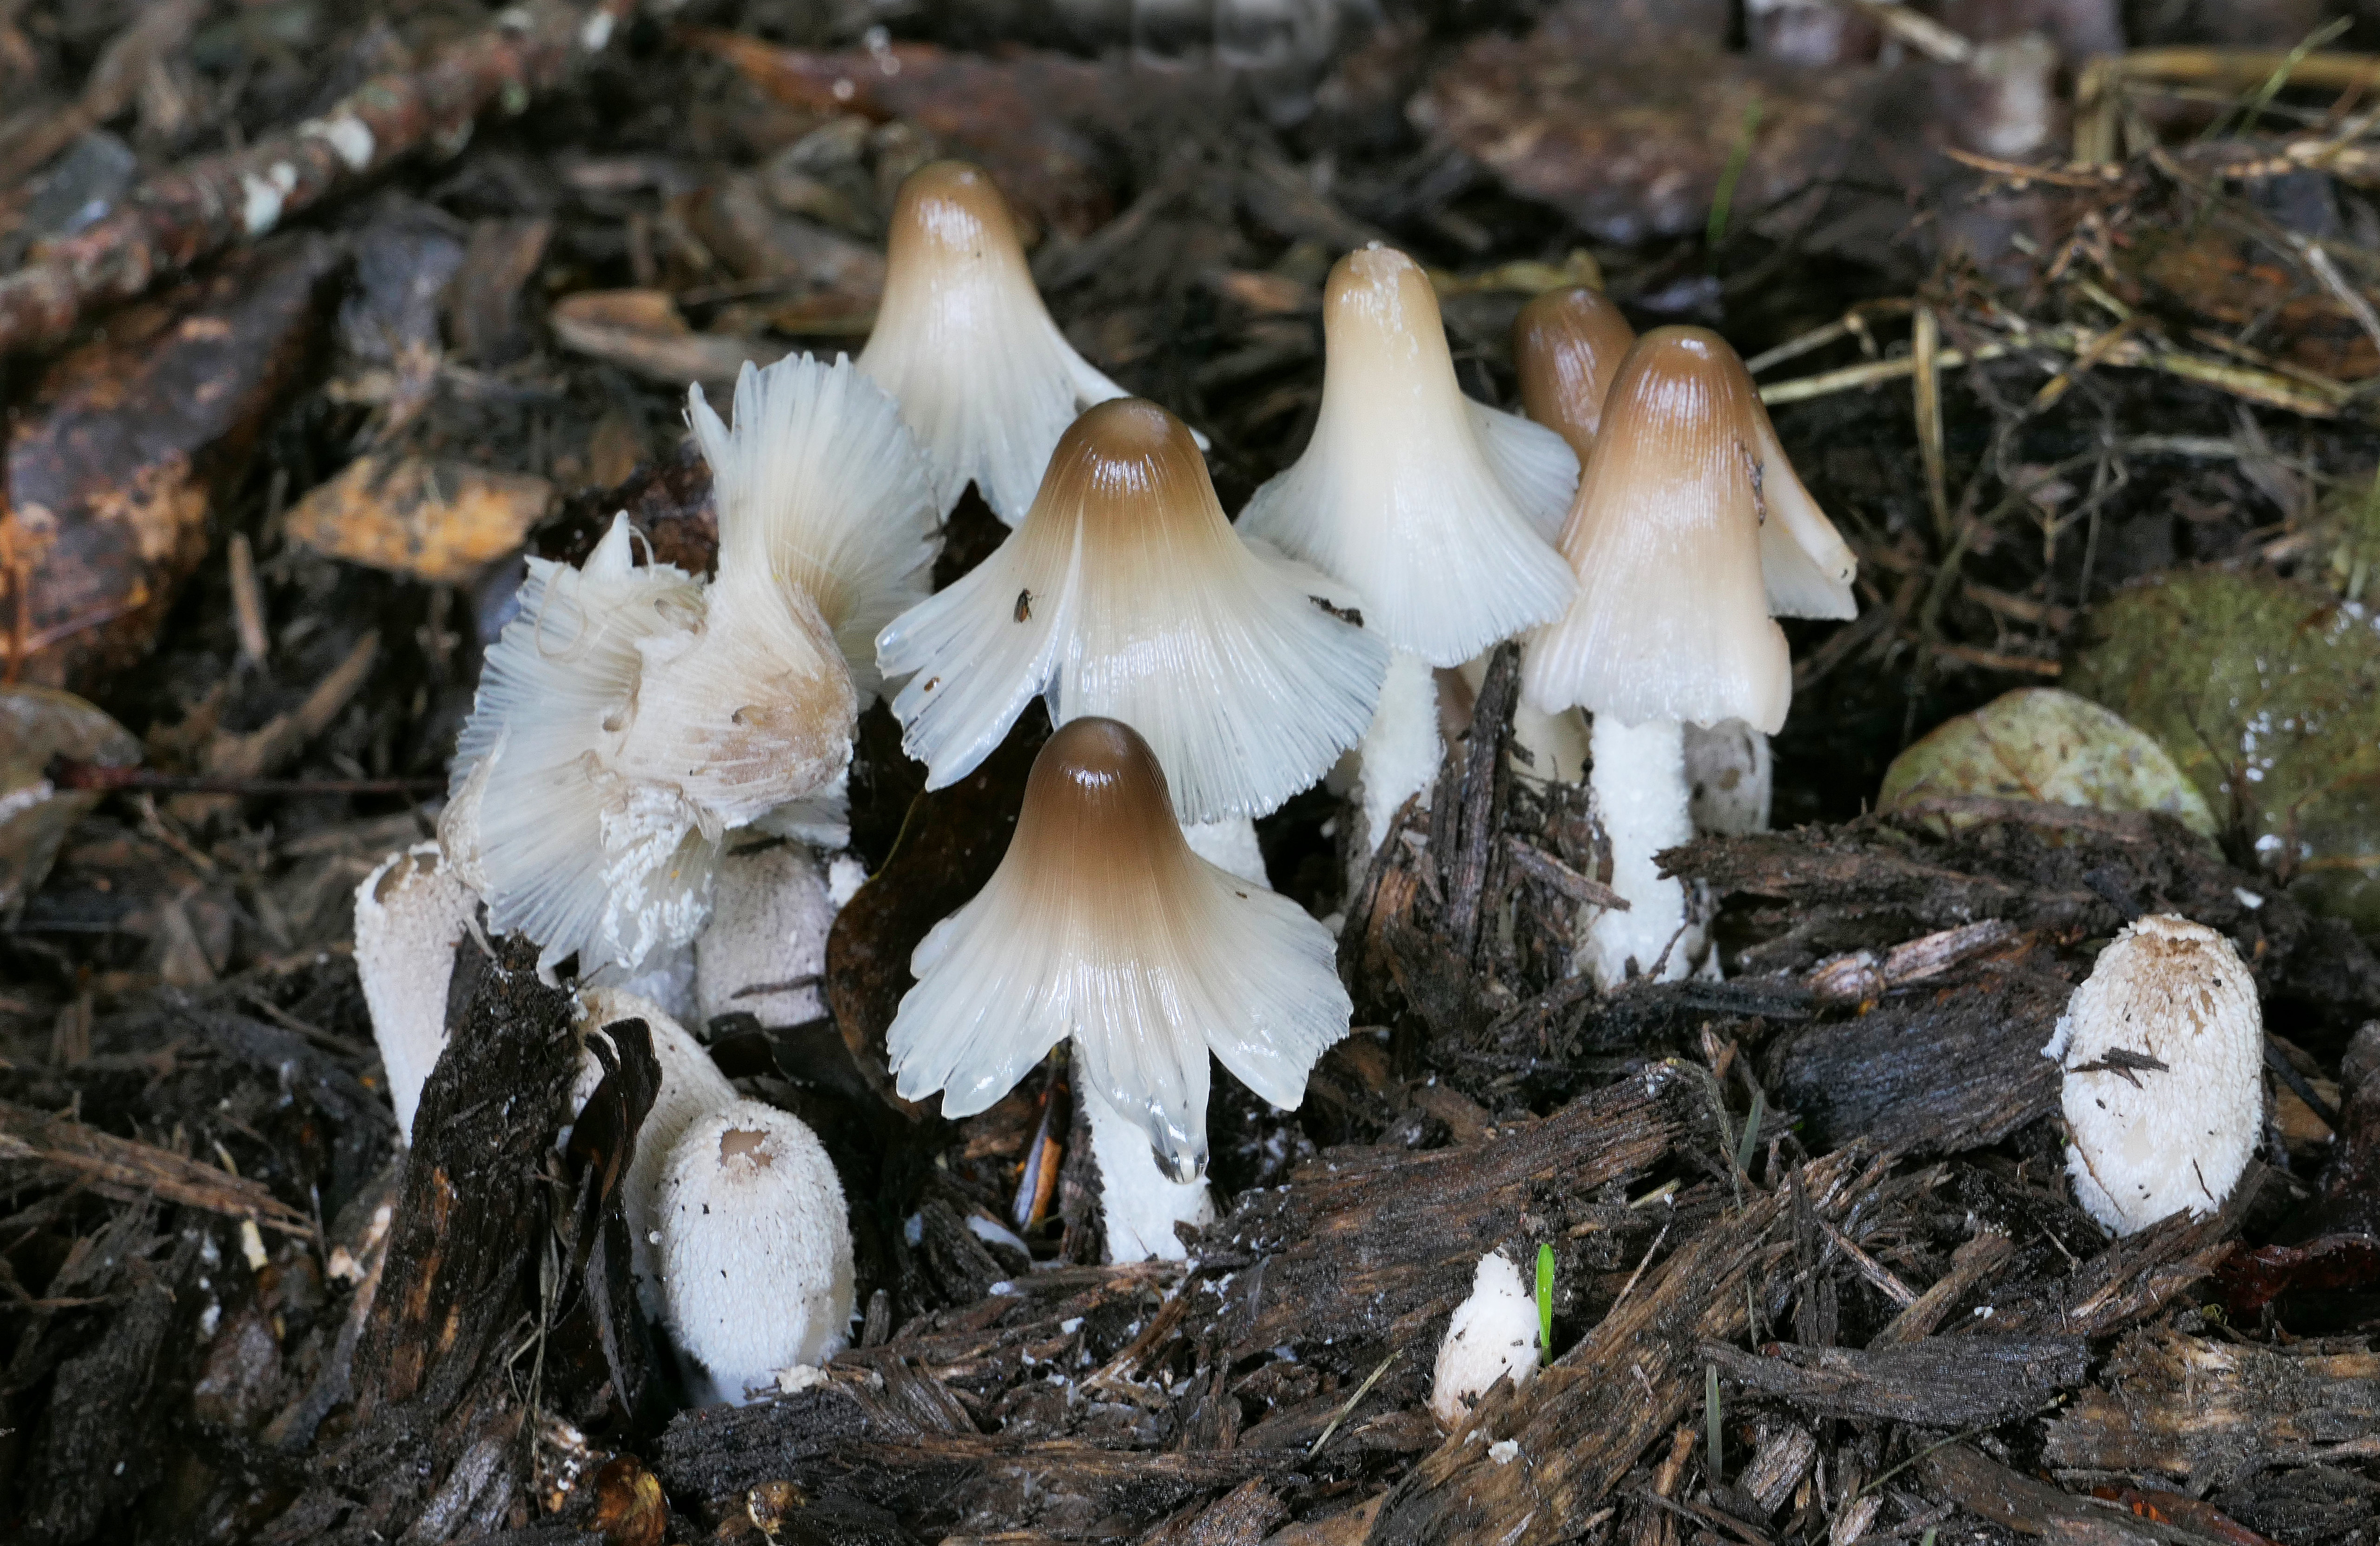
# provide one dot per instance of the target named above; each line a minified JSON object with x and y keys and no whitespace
{"x":1926,"y":351}
{"x":214,"y":203}
{"x":1352,"y":1401}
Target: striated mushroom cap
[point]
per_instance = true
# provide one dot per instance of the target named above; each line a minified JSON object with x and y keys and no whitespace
{"x":1567,"y":345}
{"x":756,"y":1247}
{"x":822,"y":489}
{"x":1126,"y":594}
{"x":964,"y":342}
{"x":2162,"y":1048}
{"x":1400,"y":493}
{"x":1101,"y":924}
{"x":1688,"y":535}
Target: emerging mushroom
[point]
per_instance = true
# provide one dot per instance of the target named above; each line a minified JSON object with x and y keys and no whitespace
{"x":1435,"y":509}
{"x":1493,"y":1334}
{"x":2163,"y":1049}
{"x":962,"y":338}
{"x":1101,"y":924}
{"x":1689,"y":532}
{"x":1126,"y":594}
{"x":629,"y":715}
{"x":411,"y":912}
{"x":691,"y":1085}
{"x":755,"y":1248}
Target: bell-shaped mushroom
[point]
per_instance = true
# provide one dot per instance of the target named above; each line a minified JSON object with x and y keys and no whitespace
{"x":962,"y":339}
{"x":1690,"y":532}
{"x":411,"y":912}
{"x":630,"y":715}
{"x":2163,"y":1050}
{"x":1436,"y":510}
{"x":1101,"y":925}
{"x":1126,"y":594}
{"x":1400,"y":494}
{"x":1567,"y":346}
{"x":755,"y":1248}
{"x":691,"y":1084}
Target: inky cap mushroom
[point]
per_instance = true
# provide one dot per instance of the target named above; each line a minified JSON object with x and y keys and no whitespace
{"x":962,"y":339}
{"x":2162,"y":1048}
{"x":1101,"y":924}
{"x":1126,"y":594}
{"x":755,"y":1248}
{"x":1435,"y":508}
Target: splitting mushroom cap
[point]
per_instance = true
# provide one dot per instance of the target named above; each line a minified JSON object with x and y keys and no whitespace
{"x":1421,"y":499}
{"x":821,"y":489}
{"x":1126,"y":594}
{"x":691,"y":1084}
{"x":625,"y":719}
{"x":411,"y":912}
{"x":1101,"y":924}
{"x":2163,"y":1052}
{"x":1493,"y":1334}
{"x":1688,"y":533}
{"x":1567,"y":345}
{"x":756,"y":1247}
{"x":963,"y":340}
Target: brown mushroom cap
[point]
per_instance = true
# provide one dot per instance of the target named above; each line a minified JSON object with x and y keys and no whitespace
{"x":1568,"y":344}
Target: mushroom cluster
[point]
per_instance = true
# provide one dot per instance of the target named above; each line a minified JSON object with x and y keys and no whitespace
{"x":650,"y":785}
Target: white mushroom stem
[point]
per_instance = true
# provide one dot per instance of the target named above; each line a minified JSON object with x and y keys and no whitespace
{"x":1640,"y":793}
{"x":1493,"y":1334}
{"x":1139,"y":1203}
{"x":1402,"y":748}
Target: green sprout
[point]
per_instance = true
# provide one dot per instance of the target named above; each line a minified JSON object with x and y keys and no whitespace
{"x":1545,"y":1304}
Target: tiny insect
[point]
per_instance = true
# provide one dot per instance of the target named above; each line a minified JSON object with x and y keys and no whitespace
{"x":932,"y":682}
{"x":1024,"y":605}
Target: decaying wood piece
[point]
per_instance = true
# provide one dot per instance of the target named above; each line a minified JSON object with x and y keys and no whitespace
{"x":1368,"y":1250}
{"x":1938,"y":1383}
{"x":1946,"y":1065}
{"x":1985,"y":1487}
{"x":2056,"y":872}
{"x":129,"y":1170}
{"x":112,"y":476}
{"x":217,"y":202}
{"x":2214,"y":1413}
{"x":2134,"y":1277}
{"x":433,"y":1445}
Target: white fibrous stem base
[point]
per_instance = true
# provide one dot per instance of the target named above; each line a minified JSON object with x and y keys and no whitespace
{"x":1639,"y":791}
{"x":1140,"y":1204}
{"x":1730,"y":775}
{"x":1230,"y":844}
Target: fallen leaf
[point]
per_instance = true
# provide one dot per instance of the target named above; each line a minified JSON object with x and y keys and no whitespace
{"x":642,"y":331}
{"x":439,"y":521}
